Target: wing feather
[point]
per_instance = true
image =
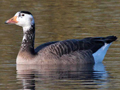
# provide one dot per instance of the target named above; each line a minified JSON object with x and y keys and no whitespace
{"x":68,"y":46}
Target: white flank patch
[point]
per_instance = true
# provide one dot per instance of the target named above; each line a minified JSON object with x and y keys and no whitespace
{"x":100,"y":54}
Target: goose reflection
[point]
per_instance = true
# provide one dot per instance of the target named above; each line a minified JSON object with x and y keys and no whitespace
{"x":32,"y":74}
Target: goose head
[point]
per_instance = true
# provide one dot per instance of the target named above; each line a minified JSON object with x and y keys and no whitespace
{"x":22,"y":18}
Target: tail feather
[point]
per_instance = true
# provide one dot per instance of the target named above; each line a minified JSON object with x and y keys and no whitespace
{"x":107,"y":39}
{"x":110,"y":39}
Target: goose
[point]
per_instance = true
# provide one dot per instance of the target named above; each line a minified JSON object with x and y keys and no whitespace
{"x":71,"y":51}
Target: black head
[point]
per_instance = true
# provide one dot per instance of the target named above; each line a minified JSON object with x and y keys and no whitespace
{"x":26,"y":12}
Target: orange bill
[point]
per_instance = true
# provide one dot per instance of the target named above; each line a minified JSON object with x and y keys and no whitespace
{"x":13,"y":20}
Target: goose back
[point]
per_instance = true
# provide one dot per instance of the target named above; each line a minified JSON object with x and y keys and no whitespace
{"x":75,"y":49}
{"x":68,"y":46}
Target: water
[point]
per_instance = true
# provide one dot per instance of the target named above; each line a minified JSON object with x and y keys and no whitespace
{"x":60,"y":20}
{"x":62,"y":76}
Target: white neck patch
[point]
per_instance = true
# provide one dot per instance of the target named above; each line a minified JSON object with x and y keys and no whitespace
{"x":27,"y":28}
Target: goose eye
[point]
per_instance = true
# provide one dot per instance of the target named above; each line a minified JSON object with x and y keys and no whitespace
{"x":23,"y":15}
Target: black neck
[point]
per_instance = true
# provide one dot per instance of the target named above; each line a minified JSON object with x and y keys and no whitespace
{"x":28,"y":40}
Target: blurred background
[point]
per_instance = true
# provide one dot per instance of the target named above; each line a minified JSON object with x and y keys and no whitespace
{"x":60,"y":20}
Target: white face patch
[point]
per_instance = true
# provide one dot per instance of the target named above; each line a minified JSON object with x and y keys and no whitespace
{"x":24,"y":20}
